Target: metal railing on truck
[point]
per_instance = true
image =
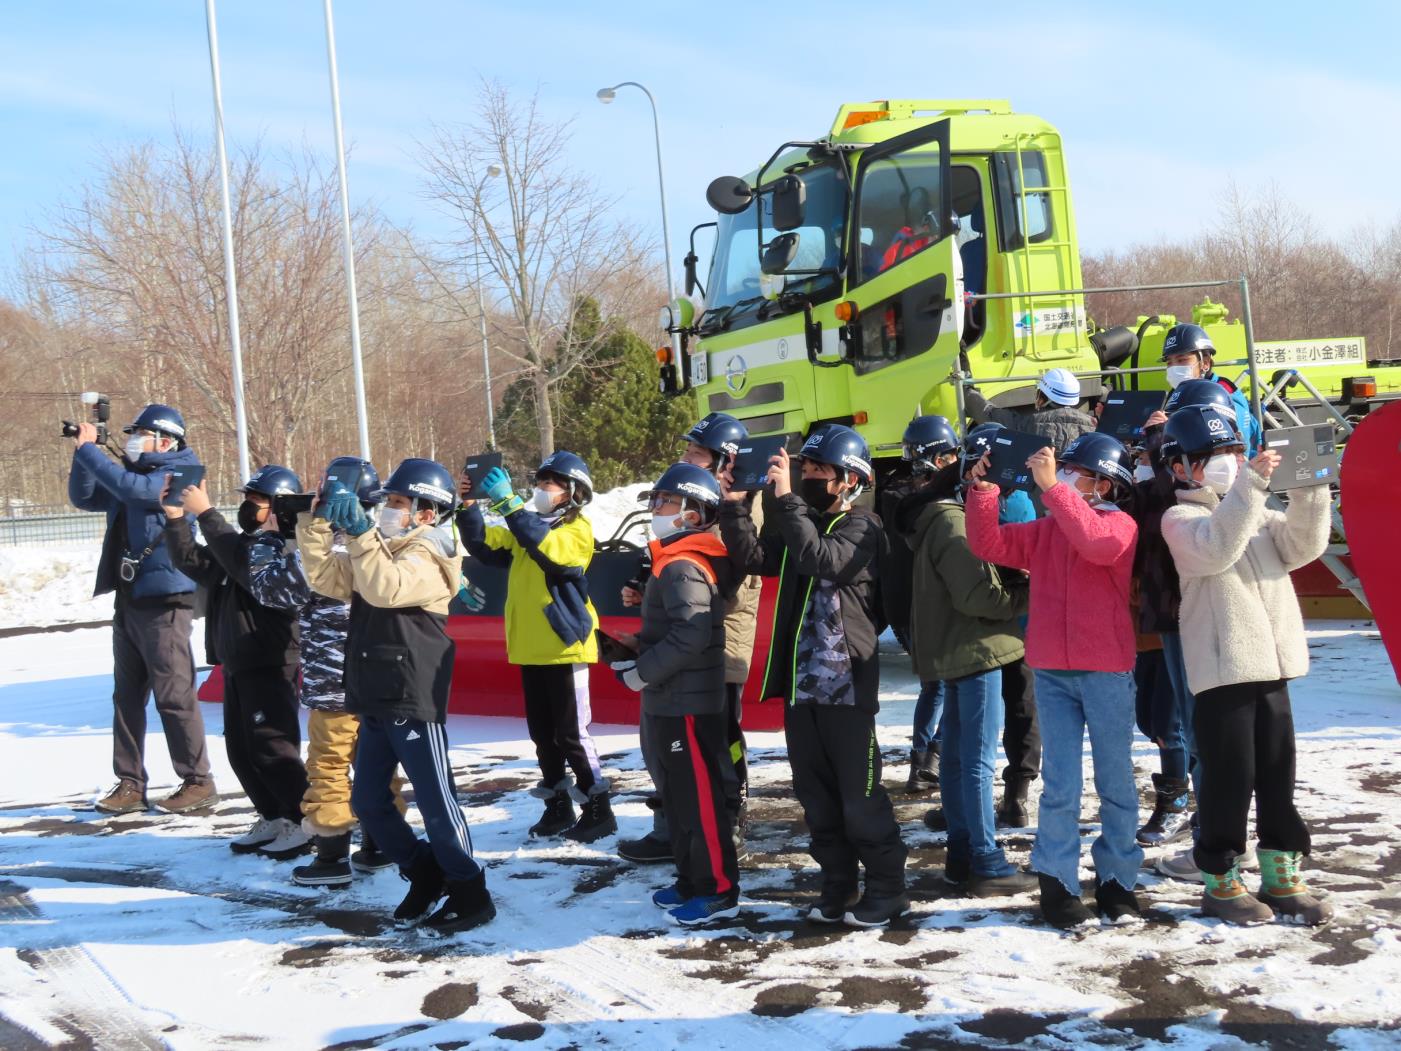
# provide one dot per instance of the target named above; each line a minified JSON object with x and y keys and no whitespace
{"x":1269,"y":408}
{"x":59,"y":525}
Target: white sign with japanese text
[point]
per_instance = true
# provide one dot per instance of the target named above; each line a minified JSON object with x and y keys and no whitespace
{"x":1301,"y":353}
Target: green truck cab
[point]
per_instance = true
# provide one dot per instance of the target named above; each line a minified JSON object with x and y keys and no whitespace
{"x":846,"y":276}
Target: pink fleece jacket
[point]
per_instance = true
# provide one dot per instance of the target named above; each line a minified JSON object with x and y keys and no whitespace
{"x":1080,"y":560}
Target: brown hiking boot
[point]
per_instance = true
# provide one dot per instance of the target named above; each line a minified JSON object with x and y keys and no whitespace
{"x":125,"y":798}
{"x":192,"y":795}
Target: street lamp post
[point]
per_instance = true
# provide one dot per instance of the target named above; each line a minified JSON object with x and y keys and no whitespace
{"x":607,"y":95}
{"x":492,"y":170}
{"x":230,"y":278}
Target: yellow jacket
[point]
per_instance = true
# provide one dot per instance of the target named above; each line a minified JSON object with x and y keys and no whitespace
{"x":540,"y":610}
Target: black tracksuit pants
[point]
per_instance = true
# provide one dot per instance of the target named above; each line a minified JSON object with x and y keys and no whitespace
{"x":263,"y":738}
{"x":837,"y":778}
{"x":1245,"y":743}
{"x":1021,"y":731}
{"x":557,"y":714}
{"x":691,"y":753}
{"x":736,"y":771}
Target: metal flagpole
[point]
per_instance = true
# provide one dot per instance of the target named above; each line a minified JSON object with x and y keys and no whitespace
{"x":230,"y":280}
{"x":348,"y":245}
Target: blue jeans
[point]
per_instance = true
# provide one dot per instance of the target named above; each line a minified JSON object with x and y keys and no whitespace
{"x":1069,"y":703}
{"x":1186,"y":702}
{"x":1158,"y":717}
{"x":422,"y":749}
{"x":929,"y":706}
{"x":967,"y":758}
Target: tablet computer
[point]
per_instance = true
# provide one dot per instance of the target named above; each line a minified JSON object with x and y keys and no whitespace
{"x":347,"y":475}
{"x":476,"y":468}
{"x":611,"y":650}
{"x":1126,"y":411}
{"x":181,"y":478}
{"x":751,"y":467}
{"x":1010,"y":451}
{"x":1307,"y":456}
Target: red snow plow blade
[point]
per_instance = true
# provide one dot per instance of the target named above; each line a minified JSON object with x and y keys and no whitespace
{"x":1370,"y":480}
{"x":484,"y":683}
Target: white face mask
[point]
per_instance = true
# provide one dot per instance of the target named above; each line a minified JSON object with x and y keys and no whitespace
{"x":392,"y":522}
{"x":664,"y":526}
{"x":135,"y":446}
{"x":1143,"y":473}
{"x":1069,"y":477}
{"x":542,"y":500}
{"x":1220,"y":472}
{"x":1177,"y":374}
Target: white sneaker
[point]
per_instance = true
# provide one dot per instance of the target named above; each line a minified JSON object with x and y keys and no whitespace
{"x":1183,"y":866}
{"x":290,"y":841}
{"x":265,"y":831}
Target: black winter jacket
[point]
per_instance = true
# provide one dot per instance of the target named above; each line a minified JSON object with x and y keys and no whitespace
{"x":682,"y":640}
{"x":256,"y":589}
{"x":826,"y":621}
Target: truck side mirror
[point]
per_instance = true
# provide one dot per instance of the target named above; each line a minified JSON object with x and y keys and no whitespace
{"x":689,"y":266}
{"x":790,"y":199}
{"x":779,"y":254}
{"x":729,"y":195}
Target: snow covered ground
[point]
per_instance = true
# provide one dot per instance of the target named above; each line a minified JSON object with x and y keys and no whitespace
{"x":146,"y":931}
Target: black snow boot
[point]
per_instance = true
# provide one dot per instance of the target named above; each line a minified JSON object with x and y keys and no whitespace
{"x":331,"y":867}
{"x":924,"y":771}
{"x":877,"y":909}
{"x":1170,"y":819}
{"x":426,"y":886}
{"x":369,"y":858}
{"x":655,"y":847}
{"x":595,"y":818}
{"x":559,"y":809}
{"x":1059,"y":907}
{"x":468,"y":905}
{"x":1013,"y":811}
{"x":1117,"y":904}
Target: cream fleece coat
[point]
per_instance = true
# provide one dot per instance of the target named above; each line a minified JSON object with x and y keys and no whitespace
{"x":1240,"y":619}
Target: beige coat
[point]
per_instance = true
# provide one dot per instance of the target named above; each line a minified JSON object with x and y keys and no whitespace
{"x":411,"y":570}
{"x":1240,"y":619}
{"x":741,"y":617}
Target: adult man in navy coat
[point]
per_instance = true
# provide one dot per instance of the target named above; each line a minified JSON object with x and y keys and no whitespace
{"x":154,"y":606}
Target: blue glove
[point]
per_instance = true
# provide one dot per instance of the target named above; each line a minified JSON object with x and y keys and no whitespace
{"x":344,"y":512}
{"x":496,"y":485}
{"x":471,"y":596}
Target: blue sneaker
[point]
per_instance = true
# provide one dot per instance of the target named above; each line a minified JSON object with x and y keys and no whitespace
{"x":669,"y":897}
{"x":706,"y":908}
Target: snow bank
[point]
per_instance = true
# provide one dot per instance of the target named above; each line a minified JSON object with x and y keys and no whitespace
{"x":50,"y":585}
{"x":608,"y":510}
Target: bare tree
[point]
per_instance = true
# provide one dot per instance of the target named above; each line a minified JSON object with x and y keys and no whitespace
{"x":538,"y":233}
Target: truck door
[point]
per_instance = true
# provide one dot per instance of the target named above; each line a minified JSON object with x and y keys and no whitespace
{"x":905,"y":279}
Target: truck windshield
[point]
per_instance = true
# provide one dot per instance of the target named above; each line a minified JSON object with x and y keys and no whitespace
{"x":733,"y":289}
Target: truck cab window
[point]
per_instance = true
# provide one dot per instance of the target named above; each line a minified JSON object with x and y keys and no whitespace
{"x":897,"y":210}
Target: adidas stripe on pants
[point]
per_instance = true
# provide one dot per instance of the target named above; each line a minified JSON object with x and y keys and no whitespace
{"x":421,"y":748}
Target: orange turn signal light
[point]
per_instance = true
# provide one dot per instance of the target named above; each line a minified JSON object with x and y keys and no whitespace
{"x":1364,"y":388}
{"x":847,"y":311}
{"x":863,"y":116}
{"x":664,"y":355}
{"x":860,"y":418}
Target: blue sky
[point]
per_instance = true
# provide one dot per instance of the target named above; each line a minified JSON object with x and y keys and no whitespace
{"x":1160,"y":105}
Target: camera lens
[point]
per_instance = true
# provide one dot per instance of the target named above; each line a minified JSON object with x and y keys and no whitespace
{"x":70,"y":429}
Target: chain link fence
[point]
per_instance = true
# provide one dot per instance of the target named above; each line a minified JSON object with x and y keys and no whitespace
{"x":59,"y":525}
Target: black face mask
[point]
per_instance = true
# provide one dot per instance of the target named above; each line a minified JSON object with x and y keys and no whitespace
{"x":815,"y":493}
{"x":248,"y":513}
{"x":944,"y":480}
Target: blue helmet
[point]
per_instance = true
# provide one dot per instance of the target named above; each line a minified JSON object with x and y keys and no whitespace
{"x":421,"y":479}
{"x":978,"y":441}
{"x":1187,"y":339}
{"x":696,"y":486}
{"x":159,"y":418}
{"x":928,"y":437}
{"x":1200,"y":392}
{"x":1101,"y":454}
{"x":1196,"y":432}
{"x":842,"y":448}
{"x":368,"y":490}
{"x":272,"y":480}
{"x":719,"y":432}
{"x":572,"y":471}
